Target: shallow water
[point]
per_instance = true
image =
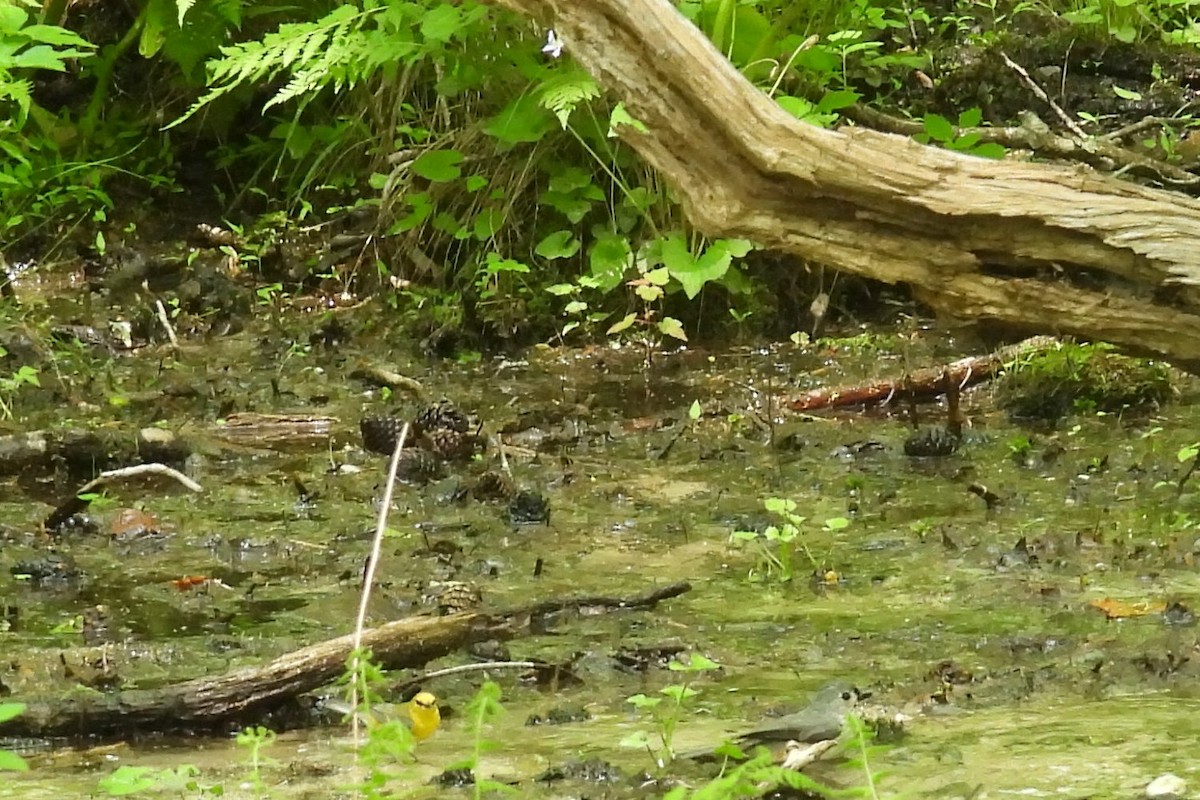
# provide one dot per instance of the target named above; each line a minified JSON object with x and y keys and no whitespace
{"x":1061,"y":701}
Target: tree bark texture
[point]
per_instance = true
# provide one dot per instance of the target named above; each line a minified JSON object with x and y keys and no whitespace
{"x":1042,"y":248}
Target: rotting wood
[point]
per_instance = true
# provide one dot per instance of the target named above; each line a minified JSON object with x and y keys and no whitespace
{"x":1042,"y":248}
{"x":242,"y":694}
{"x":925,"y":383}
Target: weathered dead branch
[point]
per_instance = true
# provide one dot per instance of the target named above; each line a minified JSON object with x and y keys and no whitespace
{"x":1043,"y":248}
{"x":243,"y":694}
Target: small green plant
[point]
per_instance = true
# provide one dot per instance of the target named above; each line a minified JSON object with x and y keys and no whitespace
{"x":126,"y":780}
{"x":757,"y":777}
{"x":25,"y":375}
{"x":10,"y":761}
{"x":945,"y":133}
{"x":777,"y":543}
{"x":861,"y":747}
{"x":481,"y":711}
{"x":255,"y":739}
{"x":668,"y":715}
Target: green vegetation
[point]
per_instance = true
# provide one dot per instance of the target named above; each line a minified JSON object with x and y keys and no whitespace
{"x":1081,"y":378}
{"x":668,"y":716}
{"x":10,"y":761}
{"x":502,"y":201}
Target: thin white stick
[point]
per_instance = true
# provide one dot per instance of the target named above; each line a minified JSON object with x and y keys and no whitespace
{"x":140,"y":469}
{"x":369,"y":576}
{"x":166,"y":322}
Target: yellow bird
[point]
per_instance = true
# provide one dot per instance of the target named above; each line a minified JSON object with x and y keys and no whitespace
{"x":422,"y":717}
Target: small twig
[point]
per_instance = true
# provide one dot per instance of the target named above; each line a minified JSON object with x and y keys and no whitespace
{"x":76,"y":503}
{"x":385,"y":506}
{"x":166,"y":323}
{"x":1045,"y":98}
{"x":648,"y":600}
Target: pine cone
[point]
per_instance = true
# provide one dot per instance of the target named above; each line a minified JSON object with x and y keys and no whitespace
{"x":443,"y":414}
{"x":450,"y":597}
{"x":492,"y":486}
{"x":452,"y":445}
{"x":417,"y":466}
{"x":379,"y":434}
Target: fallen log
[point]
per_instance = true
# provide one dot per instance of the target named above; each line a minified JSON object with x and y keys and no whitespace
{"x":1041,"y":248}
{"x":243,"y":694}
{"x":923,"y":384}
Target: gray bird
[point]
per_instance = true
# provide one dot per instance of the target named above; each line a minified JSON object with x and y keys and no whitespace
{"x":822,"y":719}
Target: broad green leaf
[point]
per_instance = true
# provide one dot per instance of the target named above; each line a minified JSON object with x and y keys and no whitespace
{"x":692,"y":273}
{"x":561,"y":289}
{"x":487,"y":222}
{"x":476,"y":182}
{"x":183,"y":6}
{"x":11,"y":711}
{"x":12,"y":18}
{"x":11,"y":762}
{"x":832,"y":101}
{"x":609,"y":258}
{"x":659,"y":277}
{"x":939,"y":128}
{"x":989,"y":150}
{"x":622,"y":324}
{"x":649,"y":294}
{"x":560,"y":244}
{"x":496,"y":263}
{"x":441,"y":22}
{"x":970,"y":118}
{"x":523,"y":120}
{"x":438,"y":166}
{"x":576,"y":307}
{"x":669,"y":326}
{"x":620,"y":116}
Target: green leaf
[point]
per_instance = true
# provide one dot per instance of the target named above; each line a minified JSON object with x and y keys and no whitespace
{"x":476,"y":182}
{"x":561,"y":289}
{"x":649,"y":294}
{"x":11,"y":762}
{"x":970,"y":118}
{"x":487,"y":222}
{"x":441,"y":22}
{"x":575,"y":307}
{"x":695,"y":411}
{"x":620,"y":116}
{"x":438,"y":166}
{"x":12,"y":18}
{"x":778,"y":505}
{"x":496,"y":263}
{"x":659,"y":277}
{"x":1126,"y":94}
{"x":622,"y":325}
{"x":989,"y":150}
{"x":832,"y":101}
{"x":560,"y":244}
{"x":939,"y":128}
{"x":523,"y":120}
{"x":183,"y":6}
{"x":11,"y":711}
{"x":693,"y":273}
{"x":609,"y":258}
{"x":669,"y":326}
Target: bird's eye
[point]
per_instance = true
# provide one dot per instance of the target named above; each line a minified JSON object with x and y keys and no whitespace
{"x":847,"y":695}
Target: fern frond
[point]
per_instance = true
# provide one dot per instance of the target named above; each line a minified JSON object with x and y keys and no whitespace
{"x":563,"y":93}
{"x":309,"y":50}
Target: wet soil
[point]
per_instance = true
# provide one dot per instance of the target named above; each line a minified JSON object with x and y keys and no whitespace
{"x":925,"y":581}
